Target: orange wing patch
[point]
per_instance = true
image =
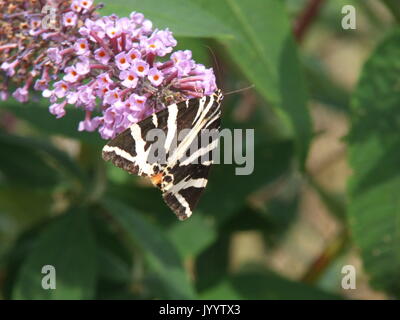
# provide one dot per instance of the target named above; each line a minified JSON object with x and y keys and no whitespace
{"x":156,"y":179}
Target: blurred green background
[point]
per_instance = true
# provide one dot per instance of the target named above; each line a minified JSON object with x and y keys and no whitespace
{"x":324,"y":194}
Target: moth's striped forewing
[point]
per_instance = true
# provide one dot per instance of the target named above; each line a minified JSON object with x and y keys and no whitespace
{"x":183,"y":176}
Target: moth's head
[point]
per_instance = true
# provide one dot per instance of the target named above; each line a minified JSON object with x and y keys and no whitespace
{"x":218,"y":95}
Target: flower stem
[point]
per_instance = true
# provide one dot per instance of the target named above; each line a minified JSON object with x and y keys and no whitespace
{"x":394,"y":8}
{"x":306,"y":18}
{"x":330,"y":252}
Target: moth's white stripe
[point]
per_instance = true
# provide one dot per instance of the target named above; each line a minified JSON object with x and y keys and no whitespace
{"x":199,"y":153}
{"x":141,"y":155}
{"x":187,"y":141}
{"x":213,"y":119}
{"x":119,"y":152}
{"x":184,"y":204}
{"x":183,"y":184}
{"x":171,"y":125}
{"x":154,"y":120}
{"x":199,"y":109}
{"x":195,"y":183}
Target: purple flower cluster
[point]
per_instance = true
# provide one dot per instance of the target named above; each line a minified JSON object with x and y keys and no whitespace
{"x":113,"y":63}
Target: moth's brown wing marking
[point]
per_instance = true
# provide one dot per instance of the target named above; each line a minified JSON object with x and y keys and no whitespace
{"x":122,"y":150}
{"x":188,"y":177}
{"x":183,"y":193}
{"x":187,"y":181}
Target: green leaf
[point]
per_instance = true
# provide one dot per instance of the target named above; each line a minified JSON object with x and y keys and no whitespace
{"x":112,"y":267}
{"x":223,"y":290}
{"x":323,"y":89}
{"x":184,"y":18}
{"x":22,"y":164}
{"x":264,"y":285}
{"x":35,"y":206}
{"x":12,"y":261}
{"x":39,"y":116}
{"x":374,"y":155}
{"x":199,"y":47}
{"x":68,"y":245}
{"x":160,"y":253}
{"x":114,"y":260}
{"x":272,"y":221}
{"x":143,"y":199}
{"x":212,"y":264}
{"x":264,"y":49}
{"x":113,"y":256}
{"x":226,"y":192}
{"x":57,"y":158}
{"x":193,"y":236}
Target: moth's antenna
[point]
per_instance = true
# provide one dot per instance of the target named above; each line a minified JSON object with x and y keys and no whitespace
{"x":220,"y":77}
{"x":215,"y":63}
{"x":239,"y":90}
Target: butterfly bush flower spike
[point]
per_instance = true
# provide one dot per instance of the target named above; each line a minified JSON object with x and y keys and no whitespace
{"x":117,"y":70}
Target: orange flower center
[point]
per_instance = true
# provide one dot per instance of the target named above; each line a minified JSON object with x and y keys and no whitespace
{"x":140,"y":68}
